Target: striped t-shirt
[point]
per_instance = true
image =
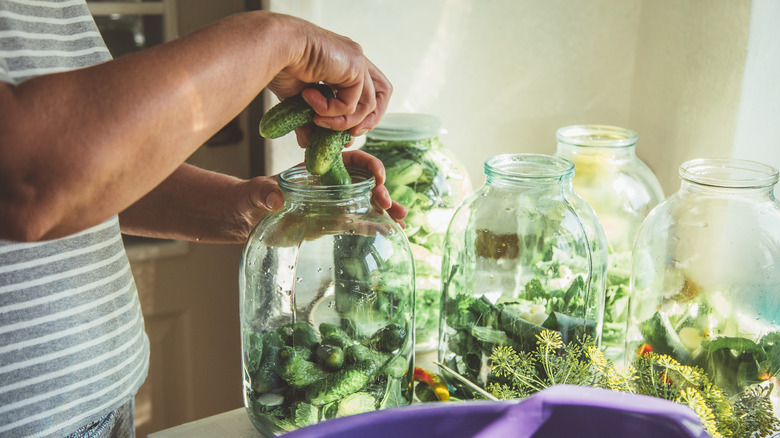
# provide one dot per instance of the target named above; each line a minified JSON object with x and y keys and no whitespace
{"x":72,"y":340}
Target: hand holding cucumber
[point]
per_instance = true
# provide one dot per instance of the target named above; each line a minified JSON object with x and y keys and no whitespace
{"x":323,"y":149}
{"x":319,"y":55}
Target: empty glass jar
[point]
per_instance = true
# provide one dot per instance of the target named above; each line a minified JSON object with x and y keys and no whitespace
{"x":622,"y":190}
{"x":706,"y":275}
{"x":327,"y":306}
{"x":430,"y":182}
{"x":523,"y":254}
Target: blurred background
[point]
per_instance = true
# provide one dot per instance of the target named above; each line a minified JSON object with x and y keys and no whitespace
{"x":694,"y":79}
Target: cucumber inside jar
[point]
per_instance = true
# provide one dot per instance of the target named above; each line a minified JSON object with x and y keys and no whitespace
{"x":296,"y":376}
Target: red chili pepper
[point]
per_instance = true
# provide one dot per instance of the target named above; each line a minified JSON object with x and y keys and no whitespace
{"x":434,"y":381}
{"x":644,"y":350}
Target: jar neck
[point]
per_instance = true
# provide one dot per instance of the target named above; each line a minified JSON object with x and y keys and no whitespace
{"x":621,"y":152}
{"x":728,"y":177}
{"x":419,"y":143}
{"x":528,"y":171}
{"x":416,"y":130}
{"x":601,"y":140}
{"x":302,"y":188}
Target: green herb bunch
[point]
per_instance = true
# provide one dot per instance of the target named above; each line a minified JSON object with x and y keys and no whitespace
{"x":520,"y":374}
{"x":580,"y":362}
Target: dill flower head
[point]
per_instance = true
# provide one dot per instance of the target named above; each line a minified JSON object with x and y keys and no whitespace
{"x":550,"y":339}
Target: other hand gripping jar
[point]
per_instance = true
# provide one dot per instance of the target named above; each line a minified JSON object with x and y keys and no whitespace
{"x":430,"y":182}
{"x":706,"y":276}
{"x":327,"y":306}
{"x":523,"y":255}
{"x":622,"y":190}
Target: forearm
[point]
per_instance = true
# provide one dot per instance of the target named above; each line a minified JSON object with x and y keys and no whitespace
{"x":70,"y":157}
{"x":192,"y":204}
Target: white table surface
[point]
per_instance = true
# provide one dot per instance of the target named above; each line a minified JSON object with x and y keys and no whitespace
{"x":231,"y":424}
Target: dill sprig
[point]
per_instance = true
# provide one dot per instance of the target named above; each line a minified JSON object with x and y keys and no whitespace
{"x":580,"y":362}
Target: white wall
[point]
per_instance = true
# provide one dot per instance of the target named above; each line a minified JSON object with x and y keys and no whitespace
{"x":686,"y":89}
{"x":758,"y":120}
{"x":504,"y":75}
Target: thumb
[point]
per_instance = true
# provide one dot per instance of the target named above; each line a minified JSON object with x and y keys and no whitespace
{"x":269,"y":196}
{"x":273,"y":200}
{"x":264,"y":192}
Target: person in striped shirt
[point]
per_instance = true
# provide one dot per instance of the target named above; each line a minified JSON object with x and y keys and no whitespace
{"x":91,"y":145}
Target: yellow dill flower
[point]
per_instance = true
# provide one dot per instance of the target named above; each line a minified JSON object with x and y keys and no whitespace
{"x":621,"y":379}
{"x":550,"y":339}
{"x":597,"y":357}
{"x":694,"y":400}
{"x":668,"y":363}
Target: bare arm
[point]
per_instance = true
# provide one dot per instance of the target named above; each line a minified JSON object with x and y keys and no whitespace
{"x":199,"y":205}
{"x":71,"y":158}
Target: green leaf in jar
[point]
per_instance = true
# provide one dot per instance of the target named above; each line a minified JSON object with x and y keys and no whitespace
{"x":403,"y":172}
{"x":357,"y":403}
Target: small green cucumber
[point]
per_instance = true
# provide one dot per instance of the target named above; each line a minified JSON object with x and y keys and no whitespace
{"x":389,"y":338}
{"x":334,"y":335}
{"x":387,"y":364}
{"x":329,"y":357}
{"x":303,"y":336}
{"x":290,"y":114}
{"x":297,"y":371}
{"x":359,"y":353}
{"x":337,"y":175}
{"x":286,"y":116}
{"x":341,"y":383}
{"x":324,"y":147}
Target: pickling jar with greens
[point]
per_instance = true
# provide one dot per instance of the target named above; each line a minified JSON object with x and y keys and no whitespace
{"x":327,"y":306}
{"x":622,"y":190}
{"x":705,"y":285}
{"x":523,"y":255}
{"x":425,"y":177}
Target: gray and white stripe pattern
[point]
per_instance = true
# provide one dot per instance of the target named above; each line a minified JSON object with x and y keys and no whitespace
{"x":72,"y":340}
{"x":40,"y":37}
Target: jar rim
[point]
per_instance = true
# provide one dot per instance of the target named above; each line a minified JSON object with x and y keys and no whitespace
{"x":298,"y":180}
{"x":604,"y":136}
{"x":406,"y":126}
{"x":728,"y":173}
{"x":529,"y":167}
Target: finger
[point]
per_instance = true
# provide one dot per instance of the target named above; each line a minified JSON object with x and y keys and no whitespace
{"x":381,"y":197}
{"x":346,"y":115}
{"x":303,"y":134}
{"x":366,"y":161}
{"x":266,"y":193}
{"x":383,"y":89}
{"x":345,"y":102}
{"x":397,"y":212}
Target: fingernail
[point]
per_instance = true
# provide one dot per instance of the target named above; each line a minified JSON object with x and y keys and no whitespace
{"x":324,"y":125}
{"x":361,"y":132}
{"x":273,"y":201}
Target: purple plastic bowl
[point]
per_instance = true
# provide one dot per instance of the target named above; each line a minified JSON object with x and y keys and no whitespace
{"x":559,"y":411}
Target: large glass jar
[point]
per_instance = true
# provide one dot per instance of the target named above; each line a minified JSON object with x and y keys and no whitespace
{"x":622,"y":190}
{"x":430,"y":182}
{"x":327,"y":306}
{"x":706,"y":275}
{"x":523,"y":254}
